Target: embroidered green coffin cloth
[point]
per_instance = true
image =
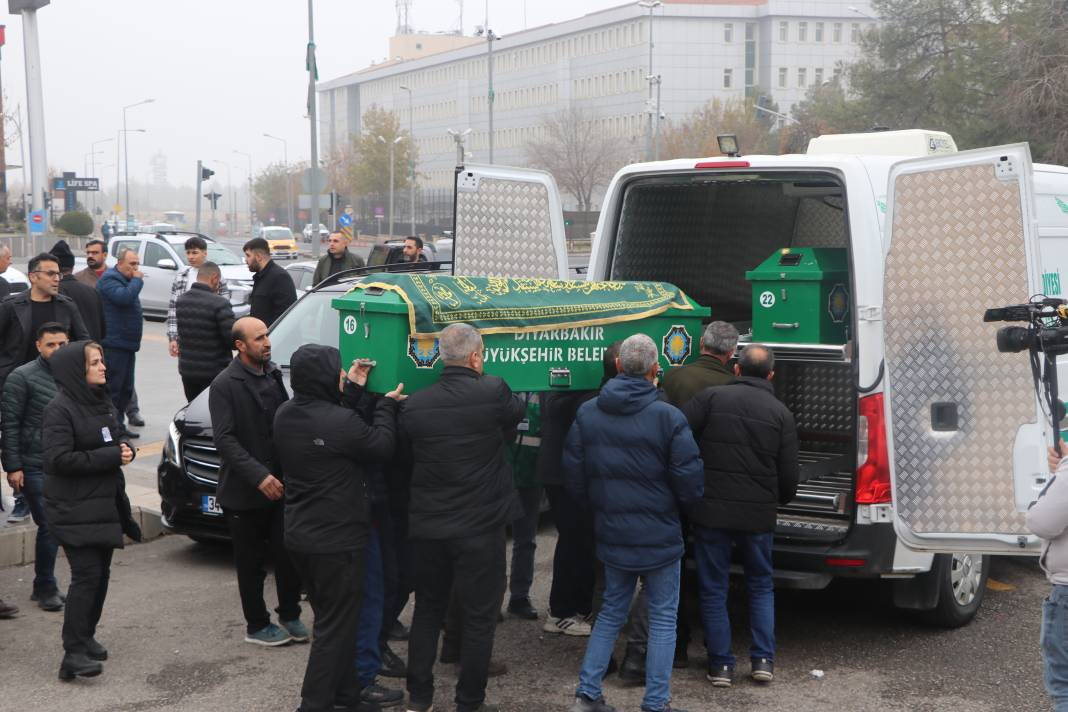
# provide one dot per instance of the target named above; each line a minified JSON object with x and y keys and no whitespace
{"x":496,"y":305}
{"x":538,"y":334}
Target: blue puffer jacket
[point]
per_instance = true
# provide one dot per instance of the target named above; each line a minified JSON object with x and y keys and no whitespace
{"x":122,"y":310}
{"x":634,"y":459}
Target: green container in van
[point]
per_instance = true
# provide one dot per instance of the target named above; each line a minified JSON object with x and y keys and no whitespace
{"x":538,"y":334}
{"x":801,"y":296}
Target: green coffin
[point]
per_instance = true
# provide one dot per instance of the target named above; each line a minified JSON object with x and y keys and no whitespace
{"x":539,"y":334}
{"x":801,"y":296}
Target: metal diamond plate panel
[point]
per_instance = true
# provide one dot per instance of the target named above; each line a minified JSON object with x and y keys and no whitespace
{"x":957,"y":248}
{"x":820,"y":223}
{"x":503,"y":230}
{"x":822,"y":398}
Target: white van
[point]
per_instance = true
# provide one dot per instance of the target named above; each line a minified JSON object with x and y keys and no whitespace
{"x":924,"y":445}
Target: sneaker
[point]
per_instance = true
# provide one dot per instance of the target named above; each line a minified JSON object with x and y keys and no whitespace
{"x":135,"y":419}
{"x":21,"y":511}
{"x":720,"y":675}
{"x":585,"y":704}
{"x":270,"y":636}
{"x":571,"y":625}
{"x":392,"y":664}
{"x":522,"y":608}
{"x":375,"y":694}
{"x":297,"y":630}
{"x":763,"y":670}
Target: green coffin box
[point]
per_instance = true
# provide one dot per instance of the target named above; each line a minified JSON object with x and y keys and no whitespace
{"x":801,"y":296}
{"x":539,"y":334}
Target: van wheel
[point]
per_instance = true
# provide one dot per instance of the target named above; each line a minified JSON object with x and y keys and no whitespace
{"x":962,"y":585}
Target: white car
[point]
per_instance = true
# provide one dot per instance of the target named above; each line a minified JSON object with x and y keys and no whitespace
{"x":307,"y":232}
{"x":18,"y":281}
{"x":162,"y":255}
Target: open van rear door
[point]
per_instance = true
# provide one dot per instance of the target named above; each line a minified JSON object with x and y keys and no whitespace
{"x":509,"y":223}
{"x":966,"y":435}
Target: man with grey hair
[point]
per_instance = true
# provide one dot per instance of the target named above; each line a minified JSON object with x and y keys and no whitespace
{"x":462,"y":497}
{"x":632,"y":457}
{"x":120,"y":291}
{"x":718,"y":343}
{"x":5,"y":262}
{"x":749,"y":445}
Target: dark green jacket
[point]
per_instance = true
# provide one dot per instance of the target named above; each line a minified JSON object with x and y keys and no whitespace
{"x":322,"y":270}
{"x":682,"y":384}
{"x":27,"y":391}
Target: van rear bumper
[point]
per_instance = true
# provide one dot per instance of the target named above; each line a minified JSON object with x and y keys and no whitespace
{"x":866,"y":552}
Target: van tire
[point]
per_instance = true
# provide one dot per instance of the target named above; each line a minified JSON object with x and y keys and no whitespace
{"x":961,"y":588}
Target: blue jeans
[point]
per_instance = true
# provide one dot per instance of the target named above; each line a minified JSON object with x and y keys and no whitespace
{"x":44,"y":565}
{"x":713,"y":549}
{"x":368,"y":653}
{"x":1055,"y":646}
{"x":662,"y":595}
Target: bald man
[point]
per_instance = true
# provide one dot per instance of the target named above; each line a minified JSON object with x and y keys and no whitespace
{"x":242,"y":401}
{"x":337,"y":258}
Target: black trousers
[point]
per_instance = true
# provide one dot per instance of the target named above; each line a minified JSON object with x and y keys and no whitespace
{"x":193,"y":387}
{"x":475,"y":566}
{"x":120,"y":363}
{"x":257,"y":534}
{"x":90,"y":569}
{"x":574,"y":560}
{"x":334,"y":583}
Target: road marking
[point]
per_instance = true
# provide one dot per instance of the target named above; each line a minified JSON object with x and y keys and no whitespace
{"x":995,"y":585}
{"x":150,"y":449}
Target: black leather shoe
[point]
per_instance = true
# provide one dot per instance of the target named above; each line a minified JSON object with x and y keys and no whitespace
{"x":763,"y":670}
{"x":37,"y":596}
{"x":50,"y":602}
{"x":632,"y":669}
{"x":95,"y":650}
{"x":8,"y":610}
{"x":392,"y":664}
{"x":521,"y":608}
{"x":381,"y":696}
{"x":127,"y":433}
{"x":135,"y":419}
{"x":720,"y":675}
{"x":78,"y":665}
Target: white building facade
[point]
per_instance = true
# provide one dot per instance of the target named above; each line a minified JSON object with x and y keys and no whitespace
{"x":701,"y":49}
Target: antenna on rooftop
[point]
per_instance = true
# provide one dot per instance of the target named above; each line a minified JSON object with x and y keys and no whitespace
{"x":459,"y":29}
{"x":404,"y":9}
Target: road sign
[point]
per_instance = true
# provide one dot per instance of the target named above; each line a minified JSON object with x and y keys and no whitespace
{"x":344,"y":220}
{"x":380,"y":212}
{"x":304,"y":201}
{"x":308,"y":176}
{"x":37,"y":221}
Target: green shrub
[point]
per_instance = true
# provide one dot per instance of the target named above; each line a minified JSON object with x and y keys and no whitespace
{"x":76,"y":223}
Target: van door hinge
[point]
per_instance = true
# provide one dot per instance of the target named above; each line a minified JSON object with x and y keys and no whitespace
{"x":870,"y":313}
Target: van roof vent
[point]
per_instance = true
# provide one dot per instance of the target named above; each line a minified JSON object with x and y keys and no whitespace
{"x":912,"y":142}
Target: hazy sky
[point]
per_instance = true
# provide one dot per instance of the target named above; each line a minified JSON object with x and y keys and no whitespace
{"x":222,"y":72}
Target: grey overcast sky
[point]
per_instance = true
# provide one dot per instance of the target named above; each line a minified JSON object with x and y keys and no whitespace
{"x":222,"y":72}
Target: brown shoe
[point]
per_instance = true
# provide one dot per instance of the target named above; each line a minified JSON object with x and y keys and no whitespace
{"x":496,"y":669}
{"x":8,"y":610}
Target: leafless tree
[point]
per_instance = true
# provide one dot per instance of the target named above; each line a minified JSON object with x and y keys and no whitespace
{"x":581,"y":155}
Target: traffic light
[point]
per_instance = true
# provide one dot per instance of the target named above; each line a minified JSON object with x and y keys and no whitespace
{"x":213,"y":198}
{"x":206,"y":173}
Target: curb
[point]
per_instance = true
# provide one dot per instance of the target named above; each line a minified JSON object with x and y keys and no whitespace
{"x":17,"y":542}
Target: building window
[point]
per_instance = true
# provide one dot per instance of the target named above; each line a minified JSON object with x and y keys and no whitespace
{"x":854,"y":32}
{"x":728,"y":74}
{"x":784,"y":31}
{"x":802,"y":77}
{"x":728,"y":32}
{"x":782,"y":77}
{"x":817,"y":34}
{"x":818,"y":76}
{"x":837,"y":36}
{"x":802,"y":32}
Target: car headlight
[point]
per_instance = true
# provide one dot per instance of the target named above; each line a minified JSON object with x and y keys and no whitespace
{"x":172,"y":451}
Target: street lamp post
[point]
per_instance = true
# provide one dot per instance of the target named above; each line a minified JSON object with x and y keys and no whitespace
{"x":289,"y":187}
{"x":121,"y":134}
{"x":126,"y":156}
{"x":411,"y":160}
{"x":490,"y":96}
{"x":650,"y":5}
{"x":249,"y":157}
{"x":392,"y":148}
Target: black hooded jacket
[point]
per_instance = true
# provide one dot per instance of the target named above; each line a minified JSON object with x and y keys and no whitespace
{"x":85,"y":491}
{"x":325,"y":453}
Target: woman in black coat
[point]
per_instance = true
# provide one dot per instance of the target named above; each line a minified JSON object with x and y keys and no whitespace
{"x":85,"y":495}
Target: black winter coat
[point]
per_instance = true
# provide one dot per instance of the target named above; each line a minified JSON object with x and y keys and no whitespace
{"x":16,"y":317}
{"x":84,"y":489}
{"x":272,"y":293}
{"x":204,"y":322}
{"x":89,"y":305}
{"x":27,"y":392}
{"x":558,"y":410}
{"x":325,"y":453}
{"x":748,"y":442}
{"x":461,"y":476}
{"x":243,"y":436}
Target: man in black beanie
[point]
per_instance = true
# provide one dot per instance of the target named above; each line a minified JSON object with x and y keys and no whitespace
{"x":85,"y":297}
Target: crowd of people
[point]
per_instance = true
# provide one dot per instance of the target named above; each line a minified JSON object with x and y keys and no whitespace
{"x":369,"y":499}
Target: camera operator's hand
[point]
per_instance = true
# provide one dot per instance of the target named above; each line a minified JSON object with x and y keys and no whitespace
{"x":1053,"y":458}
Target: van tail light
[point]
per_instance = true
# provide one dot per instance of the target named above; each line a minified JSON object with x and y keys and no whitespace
{"x":873,"y":475}
{"x":722,"y":164}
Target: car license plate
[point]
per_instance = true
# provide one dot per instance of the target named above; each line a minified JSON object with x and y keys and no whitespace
{"x":208,"y":505}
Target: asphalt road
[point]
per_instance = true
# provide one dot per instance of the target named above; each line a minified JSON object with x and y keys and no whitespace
{"x":173,"y":627}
